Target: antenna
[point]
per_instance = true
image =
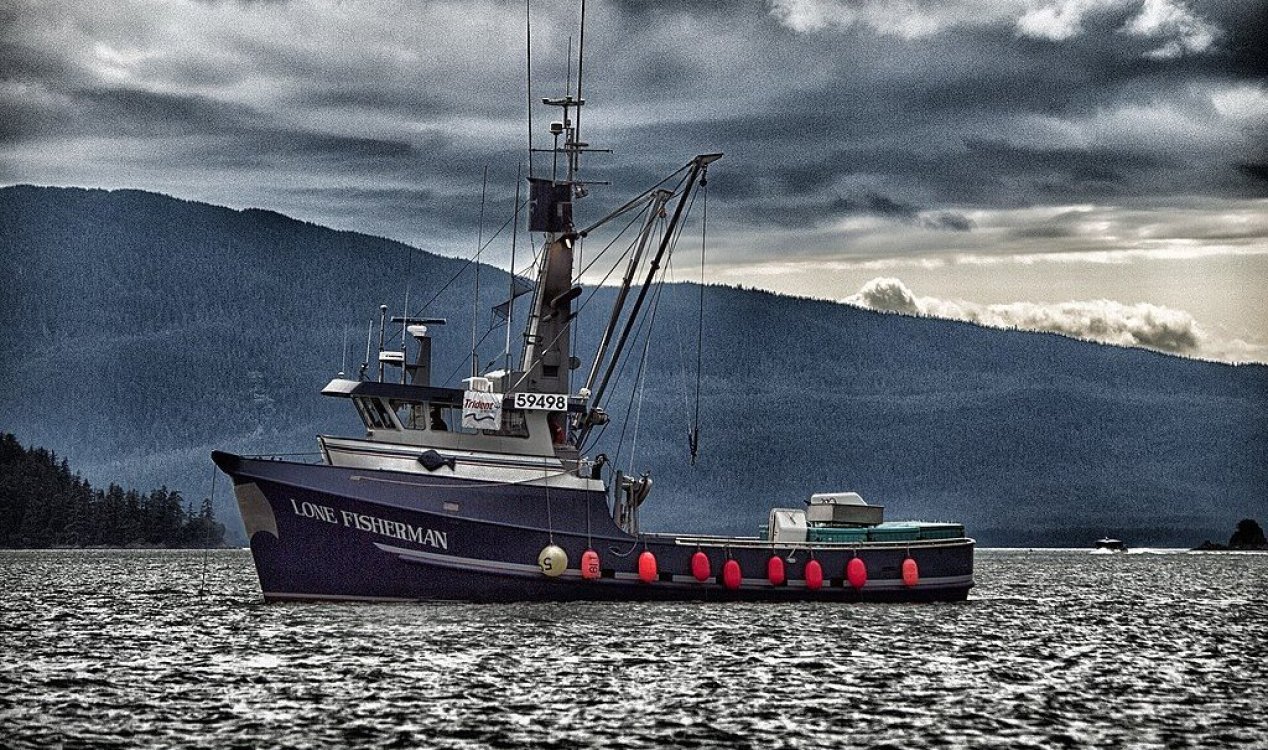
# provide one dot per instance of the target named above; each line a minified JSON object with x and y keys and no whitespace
{"x":343,"y":366}
{"x":409,"y":267}
{"x":515,"y":231}
{"x":581,"y":51}
{"x":475,"y":305}
{"x":382,"y":326}
{"x":528,"y":75}
{"x":369,"y":333}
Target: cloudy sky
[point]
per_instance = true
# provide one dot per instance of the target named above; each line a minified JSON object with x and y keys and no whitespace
{"x":1096,"y":167}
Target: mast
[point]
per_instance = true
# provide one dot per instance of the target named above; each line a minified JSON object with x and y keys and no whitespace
{"x":548,"y":362}
{"x":547,"y":349}
{"x":510,"y":305}
{"x":547,"y":356}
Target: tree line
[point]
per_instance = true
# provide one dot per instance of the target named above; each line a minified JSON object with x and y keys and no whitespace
{"x":44,"y":504}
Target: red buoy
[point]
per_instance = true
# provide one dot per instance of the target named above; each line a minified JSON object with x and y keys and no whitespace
{"x":775,"y":570}
{"x":700,"y":567}
{"x":647,"y":567}
{"x":814,"y":575}
{"x":856,"y":572}
{"x":911,"y":572}
{"x":590,"y":565}
{"x":731,"y":574}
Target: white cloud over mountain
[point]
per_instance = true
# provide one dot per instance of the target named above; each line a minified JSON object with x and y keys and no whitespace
{"x":1143,"y":325}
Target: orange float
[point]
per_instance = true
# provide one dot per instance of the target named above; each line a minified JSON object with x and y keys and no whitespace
{"x":814,"y":575}
{"x":856,"y":572}
{"x":590,"y":565}
{"x":911,"y":573}
{"x":731,"y":574}
{"x":647,"y":567}
{"x":700,"y":567}
{"x":775,"y":570}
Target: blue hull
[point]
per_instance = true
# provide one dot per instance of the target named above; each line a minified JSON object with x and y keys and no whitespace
{"x":321,"y":532}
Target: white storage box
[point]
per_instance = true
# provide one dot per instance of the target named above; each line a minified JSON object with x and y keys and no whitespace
{"x":787,"y":525}
{"x":843,"y":508}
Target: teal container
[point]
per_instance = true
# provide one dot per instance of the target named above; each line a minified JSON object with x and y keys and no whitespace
{"x":941,"y":530}
{"x":836,"y":534}
{"x":895,"y":532}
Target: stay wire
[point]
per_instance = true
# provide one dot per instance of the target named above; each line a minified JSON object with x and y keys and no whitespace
{"x":468,"y":262}
{"x":638,"y":332}
{"x":694,"y":437}
{"x":640,"y":379}
{"x":202,"y":584}
{"x":606,"y":247}
{"x":673,"y":243}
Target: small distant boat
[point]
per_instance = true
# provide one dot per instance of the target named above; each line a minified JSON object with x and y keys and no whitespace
{"x":1105,"y":546}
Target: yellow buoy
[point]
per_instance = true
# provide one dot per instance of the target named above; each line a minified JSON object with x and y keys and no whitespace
{"x":553,"y":560}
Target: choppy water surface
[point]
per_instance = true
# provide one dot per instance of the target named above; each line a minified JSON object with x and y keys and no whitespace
{"x":1055,"y":649}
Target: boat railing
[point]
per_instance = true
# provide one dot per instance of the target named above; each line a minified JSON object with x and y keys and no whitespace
{"x":316,"y":457}
{"x":759,"y":543}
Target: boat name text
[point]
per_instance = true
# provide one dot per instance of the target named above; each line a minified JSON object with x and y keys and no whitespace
{"x":373,"y":524}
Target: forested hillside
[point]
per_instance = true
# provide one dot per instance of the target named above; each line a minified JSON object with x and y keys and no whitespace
{"x":43,"y":504}
{"x":139,"y":332}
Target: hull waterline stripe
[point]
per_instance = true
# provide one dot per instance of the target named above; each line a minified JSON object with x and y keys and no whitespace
{"x":481,"y":459}
{"x":464,"y":482}
{"x":339,"y":597}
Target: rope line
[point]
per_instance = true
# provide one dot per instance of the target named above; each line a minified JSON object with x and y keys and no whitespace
{"x":694,"y":435}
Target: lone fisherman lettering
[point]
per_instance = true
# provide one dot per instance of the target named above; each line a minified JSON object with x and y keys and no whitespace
{"x":373,"y":524}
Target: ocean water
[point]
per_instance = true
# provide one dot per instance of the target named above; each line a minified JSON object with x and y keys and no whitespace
{"x":1054,"y":649}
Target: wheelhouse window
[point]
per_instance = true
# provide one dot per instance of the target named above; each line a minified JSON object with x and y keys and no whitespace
{"x":374,"y":414}
{"x":439,"y":418}
{"x":411,"y":415}
{"x":367,"y":416}
{"x":367,"y":413}
{"x":436,"y":417}
{"x":385,"y":417}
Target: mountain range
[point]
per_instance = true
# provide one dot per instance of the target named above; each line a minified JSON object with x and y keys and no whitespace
{"x":138,"y":332}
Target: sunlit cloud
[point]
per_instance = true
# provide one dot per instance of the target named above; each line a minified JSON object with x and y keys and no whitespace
{"x":1142,"y":325}
{"x":1172,"y":23}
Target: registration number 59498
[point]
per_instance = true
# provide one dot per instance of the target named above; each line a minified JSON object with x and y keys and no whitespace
{"x":542,"y":401}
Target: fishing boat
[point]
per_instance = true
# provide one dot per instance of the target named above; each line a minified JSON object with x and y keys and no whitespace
{"x":1108,"y":546}
{"x":495,"y":491}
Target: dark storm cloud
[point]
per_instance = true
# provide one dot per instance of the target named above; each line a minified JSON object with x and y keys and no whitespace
{"x":976,"y":116}
{"x":948,"y":220}
{"x":913,"y":112}
{"x":1257,"y":171}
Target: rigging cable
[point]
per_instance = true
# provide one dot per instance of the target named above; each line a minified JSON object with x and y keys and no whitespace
{"x":640,"y":380}
{"x":515,"y":231}
{"x":672,"y":245}
{"x":635,"y":201}
{"x":608,"y":246}
{"x":468,"y":262}
{"x":693,"y":436}
{"x":593,"y":291}
{"x":638,"y":376}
